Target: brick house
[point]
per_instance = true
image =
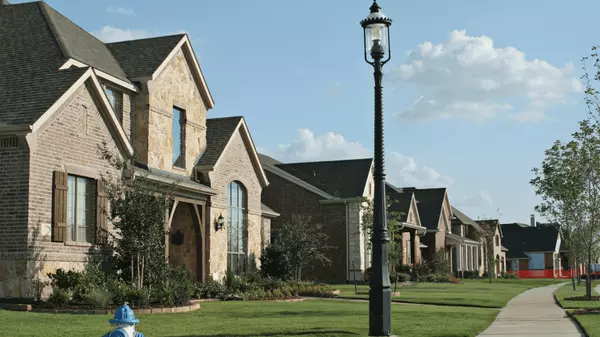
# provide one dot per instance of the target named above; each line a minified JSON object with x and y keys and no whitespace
{"x":499,"y":251}
{"x":64,"y":92}
{"x":332,"y":193}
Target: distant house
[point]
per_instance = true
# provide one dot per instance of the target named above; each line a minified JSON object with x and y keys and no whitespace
{"x":499,"y":250}
{"x":532,"y":248}
{"x":465,"y":243}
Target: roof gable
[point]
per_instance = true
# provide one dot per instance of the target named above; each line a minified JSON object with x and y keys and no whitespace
{"x":219,"y":132}
{"x":462,"y":218}
{"x":80,"y":45}
{"x":519,"y":238}
{"x":400,"y":201}
{"x":339,"y":178}
{"x":430,"y":202}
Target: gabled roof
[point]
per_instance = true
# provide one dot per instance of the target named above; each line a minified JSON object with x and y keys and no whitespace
{"x":142,"y":57}
{"x":430,"y":202}
{"x":401,"y":201}
{"x":219,"y":132}
{"x":524,"y":239}
{"x":463,"y":218}
{"x":267,"y":211}
{"x":339,"y":178}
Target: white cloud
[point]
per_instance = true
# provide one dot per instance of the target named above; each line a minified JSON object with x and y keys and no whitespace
{"x":469,"y":78}
{"x":120,"y":11}
{"x":113,"y":34}
{"x":479,"y":199}
{"x":401,"y":170}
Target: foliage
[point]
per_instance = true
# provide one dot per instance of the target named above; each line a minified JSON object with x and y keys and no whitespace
{"x":508,"y":276}
{"x":487,"y":234}
{"x":97,"y":298}
{"x":438,"y":264}
{"x":299,"y":242}
{"x":400,"y":277}
{"x":442,"y":278}
{"x":569,"y":185}
{"x":59,"y":297}
{"x":471,"y":274}
{"x":64,"y":280}
{"x":137,"y":211}
{"x":274,"y":262}
{"x":394,"y":227}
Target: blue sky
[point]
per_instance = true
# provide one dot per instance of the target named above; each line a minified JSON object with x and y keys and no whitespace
{"x":295,"y":70}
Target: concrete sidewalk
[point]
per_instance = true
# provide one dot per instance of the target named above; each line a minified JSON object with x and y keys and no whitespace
{"x":533,"y":313}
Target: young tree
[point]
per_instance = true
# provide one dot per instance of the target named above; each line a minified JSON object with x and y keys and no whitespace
{"x":394,"y":227}
{"x":301,"y":242}
{"x":487,"y":233}
{"x":137,"y":212}
{"x":569,"y":184}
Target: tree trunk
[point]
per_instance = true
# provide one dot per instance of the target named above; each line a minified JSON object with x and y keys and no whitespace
{"x":573,"y":267}
{"x":588,"y":284}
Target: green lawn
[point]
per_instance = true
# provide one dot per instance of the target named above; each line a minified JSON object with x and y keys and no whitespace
{"x":567,"y":291}
{"x":468,"y":293}
{"x":589,"y":323}
{"x":318,"y":318}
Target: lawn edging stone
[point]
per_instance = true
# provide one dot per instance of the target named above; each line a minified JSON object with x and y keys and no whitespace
{"x":141,"y":311}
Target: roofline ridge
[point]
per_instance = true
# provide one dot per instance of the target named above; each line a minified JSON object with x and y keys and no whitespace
{"x":228,"y":117}
{"x":43,"y":8}
{"x":326,"y":161}
{"x":147,"y":38}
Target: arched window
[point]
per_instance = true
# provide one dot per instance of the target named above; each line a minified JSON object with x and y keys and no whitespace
{"x":497,"y":240}
{"x":236,"y":229}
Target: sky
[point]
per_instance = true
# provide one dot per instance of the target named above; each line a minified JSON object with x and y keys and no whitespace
{"x":474,"y":93}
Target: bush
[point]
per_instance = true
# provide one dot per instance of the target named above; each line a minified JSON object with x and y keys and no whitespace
{"x":68,"y":280}
{"x":419,"y":272}
{"x":471,"y":274}
{"x":97,"y":298}
{"x":508,"y":276}
{"x":442,"y":278}
{"x":59,"y":297}
{"x":399,"y":277}
{"x":212,"y":289}
{"x":181,"y":285}
{"x":275,"y":263}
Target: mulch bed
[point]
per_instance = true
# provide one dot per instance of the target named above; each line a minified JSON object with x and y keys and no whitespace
{"x":582,"y":298}
{"x":586,"y":312}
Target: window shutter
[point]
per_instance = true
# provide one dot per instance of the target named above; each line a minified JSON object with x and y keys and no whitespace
{"x":59,"y":225}
{"x":101,"y":215}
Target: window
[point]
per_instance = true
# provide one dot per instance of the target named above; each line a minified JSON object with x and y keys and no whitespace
{"x":236,"y":229}
{"x":178,"y":137}
{"x":81,"y":209}
{"x":497,"y":240}
{"x":115,"y":98}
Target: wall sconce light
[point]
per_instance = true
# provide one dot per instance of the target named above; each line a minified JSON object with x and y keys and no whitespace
{"x":220,"y":222}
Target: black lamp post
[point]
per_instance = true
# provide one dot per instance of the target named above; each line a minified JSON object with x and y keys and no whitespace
{"x":377,"y":53}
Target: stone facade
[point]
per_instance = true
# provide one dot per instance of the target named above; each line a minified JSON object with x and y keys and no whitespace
{"x":234,"y":164}
{"x":67,"y":142}
{"x":174,"y":87}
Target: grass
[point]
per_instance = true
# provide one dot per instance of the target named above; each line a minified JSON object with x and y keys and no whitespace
{"x":475,"y":293}
{"x":318,"y":318}
{"x":589,"y":323}
{"x":567,"y":291}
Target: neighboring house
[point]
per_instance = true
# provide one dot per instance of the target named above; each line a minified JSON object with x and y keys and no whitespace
{"x":465,"y":243}
{"x":404,"y":203}
{"x":64,"y":92}
{"x":331,"y":193}
{"x":532,"y":248}
{"x":499,"y":252}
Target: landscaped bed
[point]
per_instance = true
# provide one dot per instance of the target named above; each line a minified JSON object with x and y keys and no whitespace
{"x":575,"y":299}
{"x":317,"y":318}
{"x":468,"y":293}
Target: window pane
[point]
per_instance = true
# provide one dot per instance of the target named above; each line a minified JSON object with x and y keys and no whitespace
{"x":176,"y":131}
{"x":234,"y":194}
{"x":71,"y":208}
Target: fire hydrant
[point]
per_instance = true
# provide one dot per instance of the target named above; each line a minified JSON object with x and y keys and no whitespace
{"x":124,"y":323}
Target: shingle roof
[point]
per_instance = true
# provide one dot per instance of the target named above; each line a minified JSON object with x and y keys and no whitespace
{"x":142,"y":57}
{"x":400,"y":200}
{"x":30,"y":81}
{"x":340,"y":178}
{"x":78,"y":44}
{"x":266,"y":210}
{"x":218,"y":133}
{"x":429,"y":202}
{"x":523,"y":239}
{"x":463,"y":218}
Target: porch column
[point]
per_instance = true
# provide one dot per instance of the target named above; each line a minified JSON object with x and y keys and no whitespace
{"x":458,"y":257}
{"x":413,"y":244}
{"x":167,"y":227}
{"x":417,"y":248}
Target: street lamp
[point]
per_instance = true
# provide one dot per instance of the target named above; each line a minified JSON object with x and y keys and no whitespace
{"x":377,"y":53}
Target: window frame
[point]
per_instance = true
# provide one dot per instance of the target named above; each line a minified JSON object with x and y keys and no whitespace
{"x":121,"y":95}
{"x":237,"y":212}
{"x":179,"y":162}
{"x":73,"y":228}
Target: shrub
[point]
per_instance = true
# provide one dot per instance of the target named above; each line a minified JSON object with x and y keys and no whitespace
{"x":65,"y":280}
{"x":509,"y":276}
{"x":419,"y":272}
{"x":212,"y":289}
{"x":275,"y":263}
{"x":38,"y":287}
{"x":59,"y":297}
{"x":442,"y":278}
{"x":401,"y":277}
{"x":97,"y":298}
{"x":181,"y":283}
{"x":471,"y":274}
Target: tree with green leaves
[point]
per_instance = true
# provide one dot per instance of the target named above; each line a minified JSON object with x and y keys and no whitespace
{"x":487,"y":233}
{"x":138,"y":209}
{"x":569,"y":184}
{"x":299,"y":243}
{"x":394,"y":227}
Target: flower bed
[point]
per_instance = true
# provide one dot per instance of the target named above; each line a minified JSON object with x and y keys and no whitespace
{"x":141,"y":311}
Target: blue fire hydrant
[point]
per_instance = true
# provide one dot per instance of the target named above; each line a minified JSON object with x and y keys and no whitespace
{"x":124,"y":323}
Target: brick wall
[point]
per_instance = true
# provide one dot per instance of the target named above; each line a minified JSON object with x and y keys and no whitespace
{"x":234,"y":165}
{"x":287,"y":198}
{"x":68,"y":141}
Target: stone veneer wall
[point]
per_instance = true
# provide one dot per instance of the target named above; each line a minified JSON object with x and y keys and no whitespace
{"x":266,"y":232}
{"x":14,"y":194}
{"x":185,"y":255}
{"x":234,"y":165}
{"x":174,"y":87}
{"x":68,"y":141}
{"x":356,"y":243}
